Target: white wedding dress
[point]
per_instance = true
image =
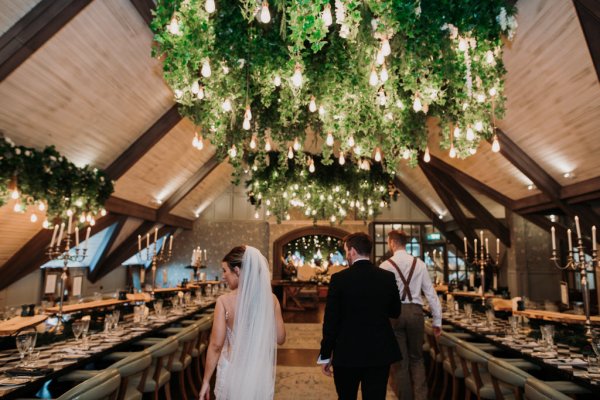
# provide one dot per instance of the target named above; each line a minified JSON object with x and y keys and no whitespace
{"x":246,"y":367}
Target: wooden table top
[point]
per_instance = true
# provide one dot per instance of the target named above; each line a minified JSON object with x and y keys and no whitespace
{"x":557,"y":316}
{"x":441,"y":288}
{"x":169,"y":290}
{"x":16,"y":324}
{"x":471,"y":294}
{"x":90,"y":305}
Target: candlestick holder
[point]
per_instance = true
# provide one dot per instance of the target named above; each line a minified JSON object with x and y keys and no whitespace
{"x":582,"y":266}
{"x":156,"y":258}
{"x":64,"y":255}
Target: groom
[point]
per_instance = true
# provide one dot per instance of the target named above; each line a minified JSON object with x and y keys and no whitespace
{"x":358,"y":340}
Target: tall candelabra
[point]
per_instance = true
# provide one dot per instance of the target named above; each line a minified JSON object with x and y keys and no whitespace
{"x":482,"y":260}
{"x":57,"y":252}
{"x":156,"y":257}
{"x":580,"y":265}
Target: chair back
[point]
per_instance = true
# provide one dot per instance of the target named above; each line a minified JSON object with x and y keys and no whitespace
{"x":103,"y":386}
{"x":447,"y":343}
{"x":434,"y":351}
{"x":133,"y":366}
{"x":162,"y":355}
{"x":508,"y":375}
{"x":473,"y":362}
{"x":538,"y":390}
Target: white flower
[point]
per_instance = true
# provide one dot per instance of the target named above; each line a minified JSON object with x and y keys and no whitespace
{"x":28,"y":153}
{"x":344,"y":31}
{"x":241,"y":63}
{"x":340,"y":12}
{"x":501,"y":19}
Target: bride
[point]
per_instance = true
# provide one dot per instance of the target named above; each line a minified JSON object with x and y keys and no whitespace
{"x":246,"y":330}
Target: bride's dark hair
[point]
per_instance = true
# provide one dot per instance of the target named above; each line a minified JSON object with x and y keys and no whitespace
{"x":234,"y":257}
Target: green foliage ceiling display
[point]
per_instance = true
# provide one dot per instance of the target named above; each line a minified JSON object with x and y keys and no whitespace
{"x":50,"y":182}
{"x":331,"y":192}
{"x":367,"y":76}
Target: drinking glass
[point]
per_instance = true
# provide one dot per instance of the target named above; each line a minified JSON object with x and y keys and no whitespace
{"x":24,"y":340}
{"x":158,"y":307}
{"x":86,"y":329}
{"x":108,"y":322}
{"x":77,"y":327}
{"x":468,"y":310}
{"x":514,"y":324}
{"x":595,"y":342}
{"x":116,"y":316}
{"x":548,"y":334}
{"x":489,"y":314}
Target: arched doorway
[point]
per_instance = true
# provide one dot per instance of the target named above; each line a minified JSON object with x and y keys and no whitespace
{"x":280,"y":243}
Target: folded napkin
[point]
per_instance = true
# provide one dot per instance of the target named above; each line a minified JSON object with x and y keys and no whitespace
{"x":23,"y":371}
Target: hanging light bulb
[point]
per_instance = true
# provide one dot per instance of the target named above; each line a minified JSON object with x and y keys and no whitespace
{"x":311,"y":166}
{"x":478,"y":126}
{"x":287,"y":217}
{"x":248,"y":113}
{"x":200,"y":94}
{"x":312,"y":106}
{"x":206,"y":71}
{"x":253,"y":142}
{"x":452,"y":153}
{"x":427,"y":156}
{"x":456,"y":131}
{"x":233,"y":151}
{"x":495,"y":144}
{"x":417,"y":106}
{"x":92,"y":221}
{"x":351,"y":141}
{"x":18,"y":207}
{"x":33,"y":218}
{"x":386,"y":50}
{"x":377,"y":155}
{"x":200,"y":144}
{"x":277,"y":80}
{"x":329,"y":140}
{"x":256,"y":215}
{"x":383,"y":75}
{"x":265,"y":15}
{"x":380,"y":58}
{"x":481,"y":97}
{"x":46,"y":224}
{"x":321,"y":111}
{"x":296,"y":144}
{"x":226,"y":105}
{"x":462,"y":44}
{"x":209,"y":6}
{"x":82,"y":218}
{"x":473,"y":150}
{"x":173,"y":26}
{"x":41,"y":206}
{"x":246,"y":124}
{"x":470,"y":134}
{"x":373,"y":79}
{"x":268,"y":145}
{"x":290,"y":153}
{"x":342,"y":160}
{"x":326,"y":16}
{"x":332,"y":218}
{"x":381,"y":97}
{"x":14,"y":194}
{"x":406,"y":154}
{"x":195,"y":141}
{"x":489,"y":57}
{"x":297,"y":77}
{"x":103,"y":212}
{"x":195,"y":87}
{"x":493,"y":92}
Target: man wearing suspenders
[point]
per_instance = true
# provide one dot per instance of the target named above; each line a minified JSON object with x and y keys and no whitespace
{"x":412,"y":278}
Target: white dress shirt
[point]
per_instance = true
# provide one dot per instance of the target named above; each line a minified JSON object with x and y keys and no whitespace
{"x":420,"y":282}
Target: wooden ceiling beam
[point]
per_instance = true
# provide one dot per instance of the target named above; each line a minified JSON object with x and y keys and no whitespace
{"x":144,"y":8}
{"x":125,"y":207}
{"x":143,"y":144}
{"x":473,"y":183}
{"x":126,"y":249}
{"x":187,"y":187}
{"x":33,"y":255}
{"x":440,"y":225}
{"x":580,"y":192}
{"x":588,"y":12}
{"x":449,"y":201}
{"x":33,"y":30}
{"x":473,"y":205}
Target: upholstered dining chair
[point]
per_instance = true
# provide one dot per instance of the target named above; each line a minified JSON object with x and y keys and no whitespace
{"x":103,"y":386}
{"x":538,"y":390}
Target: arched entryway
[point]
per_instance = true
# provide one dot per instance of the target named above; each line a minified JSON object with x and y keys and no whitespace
{"x":279,"y":243}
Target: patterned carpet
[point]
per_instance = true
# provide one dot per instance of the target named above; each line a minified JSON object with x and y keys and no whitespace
{"x":302,"y":383}
{"x":302,"y":336}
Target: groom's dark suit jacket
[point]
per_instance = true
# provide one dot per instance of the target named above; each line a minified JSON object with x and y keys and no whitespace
{"x":356,"y":330}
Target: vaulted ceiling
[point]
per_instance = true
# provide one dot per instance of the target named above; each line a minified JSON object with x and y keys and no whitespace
{"x":79,"y":75}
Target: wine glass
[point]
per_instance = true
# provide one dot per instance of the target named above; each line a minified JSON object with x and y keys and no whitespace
{"x":548,"y":334}
{"x":24,"y":340}
{"x":77,"y":327}
{"x":158,"y":307}
{"x":468,"y":310}
{"x":489,"y":314}
{"x":514,"y":324}
{"x":116,"y":316}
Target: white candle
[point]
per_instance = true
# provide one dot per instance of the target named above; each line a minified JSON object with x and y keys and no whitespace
{"x":70,"y":224}
{"x":60,"y":234}
{"x":577,"y":227}
{"x":205,"y":256}
{"x":594,"y":248}
{"x":87,"y":236}
{"x":497,"y":248}
{"x":570,"y":240}
{"x":481,"y":237}
{"x":54,"y":236}
{"x":475,"y":251}
{"x":171,"y":243}
{"x":142,"y":277}
{"x":147,"y":240}
{"x":76,"y":237}
{"x":487,"y":247}
{"x":164,"y":275}
{"x":191,"y":276}
{"x":465,"y":240}
{"x":155,"y":234}
{"x":139,"y":243}
{"x":553,"y":230}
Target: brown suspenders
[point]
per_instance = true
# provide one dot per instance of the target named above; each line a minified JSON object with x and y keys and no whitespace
{"x":406,"y":282}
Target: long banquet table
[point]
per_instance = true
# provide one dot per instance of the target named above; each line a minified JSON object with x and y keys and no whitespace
{"x":567,"y":362}
{"x":64,"y":356}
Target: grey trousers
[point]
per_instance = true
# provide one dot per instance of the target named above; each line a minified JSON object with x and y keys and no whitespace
{"x":409,"y":374}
